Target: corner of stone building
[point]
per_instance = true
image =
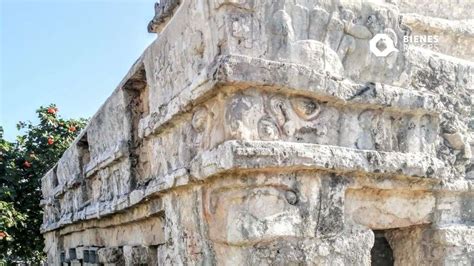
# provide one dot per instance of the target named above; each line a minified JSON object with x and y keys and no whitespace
{"x":266,"y":132}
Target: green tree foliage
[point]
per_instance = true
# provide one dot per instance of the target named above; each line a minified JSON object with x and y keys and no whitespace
{"x":22,"y":164}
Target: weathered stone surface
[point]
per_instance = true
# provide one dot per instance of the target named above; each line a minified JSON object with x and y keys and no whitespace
{"x":386,"y":209}
{"x":266,"y":133}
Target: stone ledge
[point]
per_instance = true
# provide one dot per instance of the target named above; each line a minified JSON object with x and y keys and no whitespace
{"x":242,"y":155}
{"x":179,"y":177}
{"x":442,"y":8}
{"x":440,"y":25}
{"x":303,"y":80}
{"x":244,"y":72}
{"x":453,"y":36}
{"x":270,"y":155}
{"x":93,"y":215}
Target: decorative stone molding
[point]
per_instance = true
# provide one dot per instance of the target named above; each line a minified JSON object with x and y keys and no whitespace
{"x":265,"y":132}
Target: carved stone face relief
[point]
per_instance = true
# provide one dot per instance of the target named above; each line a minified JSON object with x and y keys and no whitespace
{"x":242,"y":115}
{"x":242,"y":216}
{"x":306,"y":108}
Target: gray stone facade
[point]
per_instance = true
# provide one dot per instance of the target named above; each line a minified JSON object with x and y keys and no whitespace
{"x":267,"y":133}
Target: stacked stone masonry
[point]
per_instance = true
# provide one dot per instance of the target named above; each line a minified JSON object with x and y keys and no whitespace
{"x":266,"y":133}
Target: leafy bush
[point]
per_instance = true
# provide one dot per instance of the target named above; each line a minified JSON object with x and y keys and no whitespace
{"x":22,"y":164}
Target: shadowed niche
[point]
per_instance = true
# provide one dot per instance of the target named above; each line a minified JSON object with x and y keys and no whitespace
{"x":381,"y":253}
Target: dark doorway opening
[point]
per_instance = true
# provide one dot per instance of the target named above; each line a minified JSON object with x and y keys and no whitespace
{"x":84,"y":159}
{"x":381,"y":253}
{"x":137,"y":102}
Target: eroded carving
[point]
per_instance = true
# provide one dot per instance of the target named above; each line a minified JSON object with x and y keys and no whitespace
{"x":265,"y":132}
{"x":306,"y":108}
{"x":267,"y":129}
{"x":200,"y":119}
{"x":163,"y":11}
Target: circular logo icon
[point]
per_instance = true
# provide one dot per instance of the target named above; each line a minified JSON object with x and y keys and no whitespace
{"x":387,"y":43}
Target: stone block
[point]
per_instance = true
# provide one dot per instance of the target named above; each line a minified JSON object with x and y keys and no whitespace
{"x":136,"y":255}
{"x":111,"y":256}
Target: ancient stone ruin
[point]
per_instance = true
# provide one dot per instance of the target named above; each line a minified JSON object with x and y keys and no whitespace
{"x":268,"y":133}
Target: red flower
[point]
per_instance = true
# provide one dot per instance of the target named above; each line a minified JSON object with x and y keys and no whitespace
{"x":2,"y":235}
{"x":27,"y":164}
{"x":52,"y":110}
{"x":72,"y":129}
{"x":50,"y":141}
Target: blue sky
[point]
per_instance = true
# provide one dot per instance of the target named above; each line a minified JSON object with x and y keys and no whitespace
{"x":72,"y":53}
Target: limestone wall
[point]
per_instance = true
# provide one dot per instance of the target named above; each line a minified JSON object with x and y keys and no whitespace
{"x":266,"y":132}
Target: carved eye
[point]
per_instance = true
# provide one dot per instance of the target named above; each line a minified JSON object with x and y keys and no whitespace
{"x":291,"y":197}
{"x":267,"y":129}
{"x":370,"y":19}
{"x":278,"y":107}
{"x":306,"y":108}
